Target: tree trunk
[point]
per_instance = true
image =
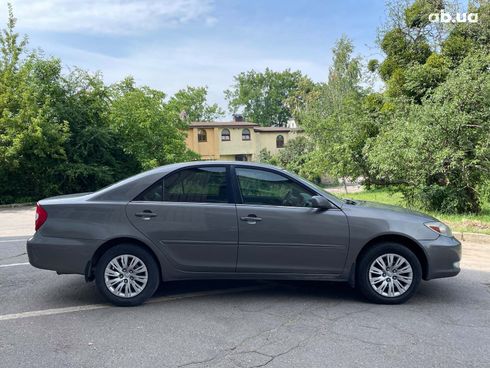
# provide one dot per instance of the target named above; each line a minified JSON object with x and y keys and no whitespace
{"x":345,"y":184}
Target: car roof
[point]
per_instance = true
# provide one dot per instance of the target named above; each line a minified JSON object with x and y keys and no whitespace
{"x":128,"y":188}
{"x":171,"y":167}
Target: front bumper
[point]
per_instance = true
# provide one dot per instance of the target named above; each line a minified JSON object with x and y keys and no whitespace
{"x":443,"y":257}
{"x":60,"y":254}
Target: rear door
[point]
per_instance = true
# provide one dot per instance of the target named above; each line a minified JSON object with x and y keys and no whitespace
{"x":280,"y":232}
{"x":190,"y":214}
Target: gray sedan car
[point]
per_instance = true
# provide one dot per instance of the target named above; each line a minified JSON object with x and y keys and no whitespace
{"x":234,"y":220}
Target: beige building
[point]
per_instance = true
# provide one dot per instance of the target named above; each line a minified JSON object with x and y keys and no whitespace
{"x":236,"y":140}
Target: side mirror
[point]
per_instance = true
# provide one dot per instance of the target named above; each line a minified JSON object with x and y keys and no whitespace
{"x":320,"y":202}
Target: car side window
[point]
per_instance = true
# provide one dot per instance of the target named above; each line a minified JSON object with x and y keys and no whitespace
{"x":153,"y":194}
{"x":268,"y":188}
{"x":198,"y":184}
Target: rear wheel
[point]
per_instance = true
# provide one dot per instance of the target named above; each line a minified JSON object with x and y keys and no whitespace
{"x":127,"y":275}
{"x":388,"y":273}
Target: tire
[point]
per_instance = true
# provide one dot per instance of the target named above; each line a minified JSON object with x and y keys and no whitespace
{"x":385,"y":285}
{"x":131,"y":278}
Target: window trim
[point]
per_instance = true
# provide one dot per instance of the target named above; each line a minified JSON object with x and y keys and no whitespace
{"x":238,"y":193}
{"x":205,"y":135}
{"x":277,"y":141}
{"x":249,"y":134}
{"x":228,"y":135}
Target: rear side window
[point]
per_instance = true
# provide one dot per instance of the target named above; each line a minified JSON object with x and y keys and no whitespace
{"x":200,"y":184}
{"x":268,"y":188}
{"x":153,"y":193}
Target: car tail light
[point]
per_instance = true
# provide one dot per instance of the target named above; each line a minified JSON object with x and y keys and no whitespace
{"x":41,"y":216}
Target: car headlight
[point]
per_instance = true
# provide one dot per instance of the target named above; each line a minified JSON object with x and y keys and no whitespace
{"x":440,"y":228}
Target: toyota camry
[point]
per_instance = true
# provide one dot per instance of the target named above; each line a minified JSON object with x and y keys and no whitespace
{"x":235,"y":220}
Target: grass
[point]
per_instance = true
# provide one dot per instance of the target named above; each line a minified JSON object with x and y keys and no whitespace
{"x":470,"y":223}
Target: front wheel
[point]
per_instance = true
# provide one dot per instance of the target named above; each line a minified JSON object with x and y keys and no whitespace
{"x":389,"y":273}
{"x":127,"y":275}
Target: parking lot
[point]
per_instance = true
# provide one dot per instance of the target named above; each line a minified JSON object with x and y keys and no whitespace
{"x":48,"y":320}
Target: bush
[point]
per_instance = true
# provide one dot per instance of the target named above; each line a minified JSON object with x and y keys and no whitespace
{"x":440,"y":150}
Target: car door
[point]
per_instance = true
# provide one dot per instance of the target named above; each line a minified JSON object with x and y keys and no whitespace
{"x":278,"y":232}
{"x":191,"y":216}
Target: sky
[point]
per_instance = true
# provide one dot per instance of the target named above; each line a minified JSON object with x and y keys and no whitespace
{"x":169,"y":44}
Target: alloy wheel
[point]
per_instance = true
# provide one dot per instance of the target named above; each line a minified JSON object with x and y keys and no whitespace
{"x":126,"y":276}
{"x":390,"y":275}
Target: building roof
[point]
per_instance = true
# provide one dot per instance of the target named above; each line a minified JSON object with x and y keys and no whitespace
{"x":275,"y":129}
{"x":240,"y":124}
{"x":221,"y":124}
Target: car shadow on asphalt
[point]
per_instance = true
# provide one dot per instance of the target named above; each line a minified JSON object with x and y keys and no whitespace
{"x":433,"y":292}
{"x":76,"y":291}
{"x":430,"y":292}
{"x":296,"y":289}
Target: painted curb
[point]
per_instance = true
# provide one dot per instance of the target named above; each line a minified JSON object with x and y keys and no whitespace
{"x":473,"y":237}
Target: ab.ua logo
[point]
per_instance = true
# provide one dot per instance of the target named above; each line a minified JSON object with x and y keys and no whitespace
{"x":444,"y":17}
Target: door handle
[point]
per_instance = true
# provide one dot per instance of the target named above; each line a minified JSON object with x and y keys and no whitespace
{"x":145,"y":215}
{"x":251,"y":219}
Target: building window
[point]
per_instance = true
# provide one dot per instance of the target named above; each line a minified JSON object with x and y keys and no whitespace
{"x":202,"y":136}
{"x":241,"y":158}
{"x":225,"y":135}
{"x":245,"y":134}
{"x":280,"y":141}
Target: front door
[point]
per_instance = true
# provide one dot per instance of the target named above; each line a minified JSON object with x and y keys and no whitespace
{"x":279,"y":232}
{"x":189,"y":215}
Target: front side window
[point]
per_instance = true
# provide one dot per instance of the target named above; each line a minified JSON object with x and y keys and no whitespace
{"x":245,"y":134}
{"x":280,"y":141}
{"x":267,"y":188}
{"x":199,"y":184}
{"x":202,"y":136}
{"x":225,"y":135}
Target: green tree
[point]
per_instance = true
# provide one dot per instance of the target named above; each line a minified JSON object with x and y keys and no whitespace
{"x":95,"y":156}
{"x":269,"y":98}
{"x":420,"y":53}
{"x":432,"y":139}
{"x":70,"y":132}
{"x":340,"y":118}
{"x":190,"y":104}
{"x":420,"y":79}
{"x":465,"y":38}
{"x":296,"y":155}
{"x":32,"y":136}
{"x":148,"y":132}
{"x":408,"y":40}
{"x":439,"y":150}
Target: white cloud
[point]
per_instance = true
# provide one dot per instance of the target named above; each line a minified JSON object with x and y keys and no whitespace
{"x":110,"y":16}
{"x":193,"y":63}
{"x":211,"y":21}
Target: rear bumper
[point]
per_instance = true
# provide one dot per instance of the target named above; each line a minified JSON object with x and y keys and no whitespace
{"x":60,"y":254}
{"x":443,"y":256}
